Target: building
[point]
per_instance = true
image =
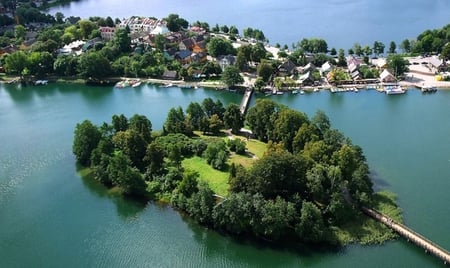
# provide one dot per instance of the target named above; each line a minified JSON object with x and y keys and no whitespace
{"x":387,"y":77}
{"x":107,"y":33}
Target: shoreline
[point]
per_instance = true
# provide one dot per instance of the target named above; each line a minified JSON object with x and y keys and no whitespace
{"x":413,"y":81}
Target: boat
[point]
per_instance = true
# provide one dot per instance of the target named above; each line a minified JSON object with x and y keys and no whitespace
{"x":295,"y":91}
{"x":40,"y":82}
{"x":428,"y":89}
{"x":302,"y":92}
{"x":168,"y":85}
{"x":393,"y":90}
{"x":280,"y":92}
{"x":316,"y":89}
{"x":136,"y":84}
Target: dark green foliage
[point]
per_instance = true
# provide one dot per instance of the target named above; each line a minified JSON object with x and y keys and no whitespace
{"x":311,"y":227}
{"x":86,"y":139}
{"x":176,"y":122}
{"x":237,"y":146}
{"x":181,"y":140}
{"x":176,"y":23}
{"x":219,"y":46}
{"x":258,"y":118}
{"x":189,"y":184}
{"x":233,"y":118}
{"x":216,"y":154}
{"x":231,"y":76}
{"x":201,"y":204}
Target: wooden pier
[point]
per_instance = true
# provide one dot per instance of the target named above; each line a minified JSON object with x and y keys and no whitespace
{"x":246,"y":100}
{"x":410,"y":235}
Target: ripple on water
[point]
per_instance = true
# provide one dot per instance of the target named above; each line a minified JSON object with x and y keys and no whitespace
{"x":17,"y":168}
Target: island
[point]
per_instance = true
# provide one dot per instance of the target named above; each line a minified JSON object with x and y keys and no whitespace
{"x":289,"y":178}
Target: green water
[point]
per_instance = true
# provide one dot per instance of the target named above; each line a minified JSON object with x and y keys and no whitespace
{"x":51,"y":217}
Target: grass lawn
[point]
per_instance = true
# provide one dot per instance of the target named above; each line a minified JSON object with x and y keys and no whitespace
{"x":217,"y":180}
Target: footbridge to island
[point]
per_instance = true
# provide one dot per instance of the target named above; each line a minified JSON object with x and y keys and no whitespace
{"x":410,"y":235}
{"x":246,"y":100}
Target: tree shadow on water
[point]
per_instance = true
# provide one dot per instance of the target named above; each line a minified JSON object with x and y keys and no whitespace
{"x":127,"y":206}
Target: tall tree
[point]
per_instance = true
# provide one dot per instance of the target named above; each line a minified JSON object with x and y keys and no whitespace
{"x":86,"y":138}
{"x":392,"y":47}
{"x":233,"y":118}
{"x":231,"y":76}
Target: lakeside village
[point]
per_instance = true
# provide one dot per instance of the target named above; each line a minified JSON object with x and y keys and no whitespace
{"x":172,"y":52}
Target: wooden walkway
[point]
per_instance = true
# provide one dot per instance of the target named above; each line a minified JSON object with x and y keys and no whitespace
{"x":410,"y":235}
{"x":246,"y":100}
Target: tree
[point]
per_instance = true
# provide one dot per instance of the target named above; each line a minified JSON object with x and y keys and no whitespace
{"x":311,"y":227}
{"x":142,"y":125}
{"x":259,"y":84}
{"x":124,"y":176}
{"x":133,"y":145}
{"x":86,"y":139}
{"x":234,"y":30}
{"x":341,"y":58}
{"x":201,"y":204}
{"x":210,"y":107}
{"x":406,"y":46}
{"x":19,"y":32}
{"x":278,"y":173}
{"x":216,"y":154}
{"x":86,"y":28}
{"x":122,"y":41}
{"x":392,"y":47}
{"x":175,"y":121}
{"x":445,"y":54}
{"x":215,"y":124}
{"x":258,"y":118}
{"x":160,"y":42}
{"x":94,"y":65}
{"x":286,"y":124}
{"x":120,"y":122}
{"x":231,"y":76}
{"x":378,"y":48}
{"x":175,"y":23}
{"x":224,"y":29}
{"x":218,"y":46}
{"x":358,"y":49}
{"x":154,"y":159}
{"x":40,"y":63}
{"x":196,"y":114}
{"x":265,"y":71}
{"x":233,"y":118}
{"x":16,"y":63}
{"x":333,"y":52}
{"x":397,"y":64}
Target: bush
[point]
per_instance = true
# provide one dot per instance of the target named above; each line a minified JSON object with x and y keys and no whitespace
{"x":237,"y":146}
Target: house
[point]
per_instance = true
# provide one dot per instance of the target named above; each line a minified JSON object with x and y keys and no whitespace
{"x":183,"y":56}
{"x":186,"y":44}
{"x":198,"y":57}
{"x":380,"y":63}
{"x":287,"y":68}
{"x":8,"y":49}
{"x":199,"y":47}
{"x":387,"y":77}
{"x":326,"y":68}
{"x":160,"y":29}
{"x":435,"y":64}
{"x":306,"y":79}
{"x":308,"y":68}
{"x":350,"y":59}
{"x":169,"y":75}
{"x":225,"y":61}
{"x":355,"y":75}
{"x":107,"y":33}
{"x":352,"y":67}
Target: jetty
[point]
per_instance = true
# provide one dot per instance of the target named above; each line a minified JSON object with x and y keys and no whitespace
{"x":245,"y":100}
{"x":410,"y":235}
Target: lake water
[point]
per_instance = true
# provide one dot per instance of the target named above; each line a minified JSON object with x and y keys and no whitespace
{"x":340,"y":22}
{"x":52,"y":217}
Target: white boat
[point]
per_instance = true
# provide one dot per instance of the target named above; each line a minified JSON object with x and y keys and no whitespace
{"x":393,"y":90}
{"x":295,"y":91}
{"x":302,"y":92}
{"x":427,"y":89}
{"x":168,"y":85}
{"x":136,"y":84}
{"x":40,"y":82}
